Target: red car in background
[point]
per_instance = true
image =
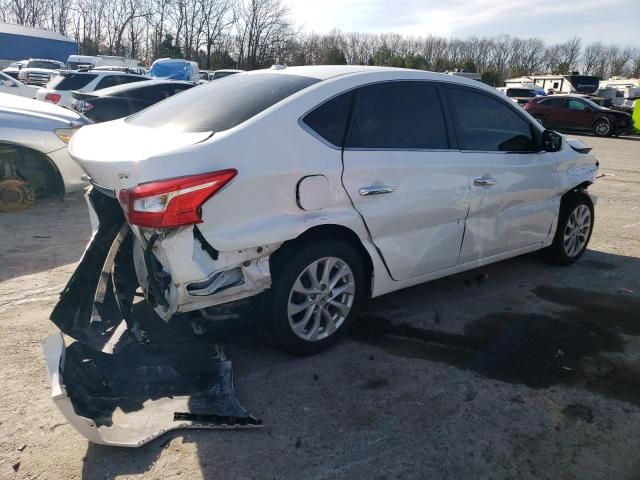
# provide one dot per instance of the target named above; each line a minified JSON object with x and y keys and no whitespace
{"x":572,"y":112}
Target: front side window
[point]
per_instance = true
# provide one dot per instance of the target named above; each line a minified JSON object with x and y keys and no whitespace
{"x":487,"y":124}
{"x":398,"y":115}
{"x":223,"y":104}
{"x":577,"y":105}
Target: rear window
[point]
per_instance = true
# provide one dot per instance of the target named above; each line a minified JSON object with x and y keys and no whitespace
{"x":70,"y":81}
{"x":520,"y":92}
{"x":222,"y":104}
{"x":43,"y":64}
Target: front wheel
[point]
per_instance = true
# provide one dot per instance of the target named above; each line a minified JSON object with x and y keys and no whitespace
{"x":575,"y":225}
{"x":602,"y":128}
{"x":316,"y":290}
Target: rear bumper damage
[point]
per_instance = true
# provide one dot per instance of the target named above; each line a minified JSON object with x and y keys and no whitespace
{"x":128,"y":399}
{"x":113,"y":383}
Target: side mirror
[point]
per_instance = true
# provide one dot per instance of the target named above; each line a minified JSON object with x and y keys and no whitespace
{"x":551,"y":141}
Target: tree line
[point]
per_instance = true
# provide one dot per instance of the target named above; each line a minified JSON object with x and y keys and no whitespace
{"x":252,"y":34}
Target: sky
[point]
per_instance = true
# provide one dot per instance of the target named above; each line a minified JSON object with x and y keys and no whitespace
{"x":609,"y":21}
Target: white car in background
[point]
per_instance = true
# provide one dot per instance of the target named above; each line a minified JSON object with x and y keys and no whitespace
{"x":14,"y":68}
{"x":327,"y":185}
{"x":39,"y":71}
{"x":14,"y":87}
{"x":34,"y":159}
{"x":59,"y":89}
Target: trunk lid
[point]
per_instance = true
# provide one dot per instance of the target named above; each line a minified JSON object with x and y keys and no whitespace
{"x":118,"y":155}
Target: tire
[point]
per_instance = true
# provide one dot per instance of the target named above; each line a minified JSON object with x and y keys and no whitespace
{"x":540,"y":119}
{"x":305,"y":323}
{"x":602,"y":128}
{"x":573,"y":234}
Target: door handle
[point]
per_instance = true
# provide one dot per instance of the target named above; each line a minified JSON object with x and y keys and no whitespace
{"x":485,"y":182}
{"x":376,"y":190}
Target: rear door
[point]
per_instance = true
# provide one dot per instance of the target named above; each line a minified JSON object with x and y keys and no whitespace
{"x":512,"y":202}
{"x":404,"y":177}
{"x":555,"y":112}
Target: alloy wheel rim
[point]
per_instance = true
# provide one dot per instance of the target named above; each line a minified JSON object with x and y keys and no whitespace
{"x":602,"y":128}
{"x":577,"y":231}
{"x":321,"y":299}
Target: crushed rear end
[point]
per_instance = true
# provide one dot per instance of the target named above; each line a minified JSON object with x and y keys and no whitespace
{"x":115,"y":384}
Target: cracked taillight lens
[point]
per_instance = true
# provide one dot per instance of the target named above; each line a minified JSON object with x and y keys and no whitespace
{"x":174,"y":202}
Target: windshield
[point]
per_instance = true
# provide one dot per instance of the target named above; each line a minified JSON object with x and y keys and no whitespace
{"x":223,"y":104}
{"x":44,"y":64}
{"x":592,"y":104}
{"x":172,"y":70}
{"x":16,"y":65}
{"x":70,"y":81}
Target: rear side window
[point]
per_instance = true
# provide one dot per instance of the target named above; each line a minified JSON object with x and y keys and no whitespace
{"x":520,"y":92}
{"x":398,"y":115}
{"x":113,"y":80}
{"x":70,"y":81}
{"x":554,"y":102}
{"x":329,"y":120}
{"x":222,"y":104}
{"x":487,"y":124}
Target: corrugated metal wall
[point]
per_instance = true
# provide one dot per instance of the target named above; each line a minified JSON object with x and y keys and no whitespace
{"x":20,"y":47}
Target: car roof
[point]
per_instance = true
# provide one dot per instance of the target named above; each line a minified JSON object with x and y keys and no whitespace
{"x":326,"y":72}
{"x":137,"y":85}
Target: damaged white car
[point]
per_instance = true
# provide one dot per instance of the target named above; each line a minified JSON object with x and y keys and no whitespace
{"x":323,"y":186}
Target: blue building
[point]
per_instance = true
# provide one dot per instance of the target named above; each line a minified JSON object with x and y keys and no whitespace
{"x":19,"y":43}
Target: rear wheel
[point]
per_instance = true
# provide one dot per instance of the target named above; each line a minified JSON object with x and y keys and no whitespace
{"x":316,"y":290}
{"x":575,"y":225}
{"x":602,"y":128}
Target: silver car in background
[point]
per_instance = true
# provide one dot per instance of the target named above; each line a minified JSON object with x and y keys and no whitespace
{"x":34,"y":160}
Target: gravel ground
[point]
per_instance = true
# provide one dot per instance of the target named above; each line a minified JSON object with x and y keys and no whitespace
{"x":516,"y":370}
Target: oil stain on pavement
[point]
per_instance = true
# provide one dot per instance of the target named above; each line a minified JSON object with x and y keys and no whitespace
{"x":576,"y":345}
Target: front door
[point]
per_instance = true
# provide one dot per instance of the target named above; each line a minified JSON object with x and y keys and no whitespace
{"x":580,"y":115}
{"x":511,"y":201}
{"x":411,"y":189}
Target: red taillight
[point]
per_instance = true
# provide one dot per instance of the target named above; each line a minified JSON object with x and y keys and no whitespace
{"x":174,"y":202}
{"x":52,"y":97}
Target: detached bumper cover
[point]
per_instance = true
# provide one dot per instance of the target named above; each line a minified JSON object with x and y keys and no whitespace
{"x":114,"y":385}
{"x":127,"y":400}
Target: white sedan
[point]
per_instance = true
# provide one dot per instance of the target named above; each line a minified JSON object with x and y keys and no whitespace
{"x":329,"y":185}
{"x":14,"y":87}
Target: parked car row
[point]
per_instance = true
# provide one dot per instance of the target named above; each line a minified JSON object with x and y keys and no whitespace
{"x":33,"y":134}
{"x":579,"y":112}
